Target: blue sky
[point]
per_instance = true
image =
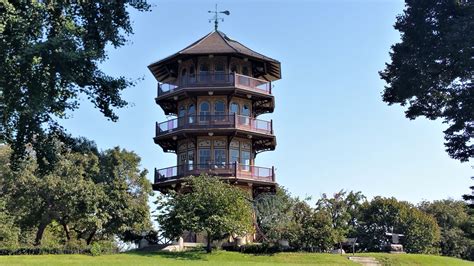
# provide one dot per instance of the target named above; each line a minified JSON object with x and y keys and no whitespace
{"x":333,"y":130}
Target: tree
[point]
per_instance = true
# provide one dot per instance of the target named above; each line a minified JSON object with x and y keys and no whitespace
{"x":274,"y":214}
{"x":127,"y":189}
{"x":88,"y":199}
{"x":431,"y":69}
{"x":50,"y":53}
{"x":382,"y":215}
{"x":343,"y":209}
{"x":469,"y":198}
{"x":312,"y":229}
{"x":205,"y":205}
{"x":455,"y":223}
{"x":9,"y":231}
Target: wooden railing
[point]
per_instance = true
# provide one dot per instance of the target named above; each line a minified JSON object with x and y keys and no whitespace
{"x":234,"y":170}
{"x":217,"y":80}
{"x":215,"y":121}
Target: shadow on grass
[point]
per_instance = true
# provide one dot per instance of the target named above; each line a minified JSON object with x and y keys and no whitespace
{"x":181,"y":255}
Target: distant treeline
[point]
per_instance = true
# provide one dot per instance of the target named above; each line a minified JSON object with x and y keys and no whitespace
{"x":439,"y":227}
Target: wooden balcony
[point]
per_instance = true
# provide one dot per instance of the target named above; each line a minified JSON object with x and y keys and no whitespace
{"x":209,"y":122}
{"x":233,"y":172}
{"x":217,"y":80}
{"x":260,"y":91}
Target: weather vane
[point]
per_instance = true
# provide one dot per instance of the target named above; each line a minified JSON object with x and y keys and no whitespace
{"x":216,"y":17}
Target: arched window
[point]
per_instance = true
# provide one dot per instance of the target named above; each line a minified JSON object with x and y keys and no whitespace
{"x":204,"y":111}
{"x":244,"y":118}
{"x":219,"y":110}
{"x":191,"y":113}
{"x":204,"y":73}
{"x":192,"y":74}
{"x":245,"y":110}
{"x":245,"y":71}
{"x":183,"y":76}
{"x":233,"y":68}
{"x":182,"y":111}
{"x":234,"y":108}
{"x":181,"y":116}
{"x":219,"y":71}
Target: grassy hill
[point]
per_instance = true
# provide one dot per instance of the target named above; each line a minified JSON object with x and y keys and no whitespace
{"x":224,"y":258}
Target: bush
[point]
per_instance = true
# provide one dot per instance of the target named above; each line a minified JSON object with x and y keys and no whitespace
{"x":40,"y":251}
{"x":76,"y":245}
{"x":96,"y":249}
{"x":264,"y":248}
{"x":107,"y":247}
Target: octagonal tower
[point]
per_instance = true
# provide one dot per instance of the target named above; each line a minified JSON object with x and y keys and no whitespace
{"x":216,"y":88}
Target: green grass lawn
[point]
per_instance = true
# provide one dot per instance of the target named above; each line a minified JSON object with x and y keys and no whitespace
{"x":223,"y":258}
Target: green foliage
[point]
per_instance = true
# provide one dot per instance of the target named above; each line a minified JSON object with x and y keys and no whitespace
{"x":50,"y":53}
{"x":256,"y":248}
{"x":343,"y":209}
{"x":205,"y":205}
{"x":274,"y":214}
{"x":382,"y":215}
{"x":280,"y":216}
{"x":312,"y":229}
{"x":9,"y":231}
{"x":456,"y":226}
{"x":86,"y":196}
{"x":431,"y":69}
{"x":469,"y":198}
{"x":96,"y":249}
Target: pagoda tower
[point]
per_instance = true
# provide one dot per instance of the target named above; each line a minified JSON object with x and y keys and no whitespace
{"x":215,"y":89}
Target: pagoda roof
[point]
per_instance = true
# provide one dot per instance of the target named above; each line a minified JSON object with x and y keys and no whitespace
{"x":216,"y":43}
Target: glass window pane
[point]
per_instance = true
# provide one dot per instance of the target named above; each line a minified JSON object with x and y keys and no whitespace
{"x":204,"y":111}
{"x":245,"y":71}
{"x":245,"y":110}
{"x":219,"y":71}
{"x":220,"y":158}
{"x":190,"y":160}
{"x":192,"y":76}
{"x":234,"y":108}
{"x":234,"y":155}
{"x":191,"y":113}
{"x":183,"y":76}
{"x":219,"y":110}
{"x":182,"y":111}
{"x":204,"y":158}
{"x":245,"y":160}
{"x":245,"y":114}
{"x":203,"y":73}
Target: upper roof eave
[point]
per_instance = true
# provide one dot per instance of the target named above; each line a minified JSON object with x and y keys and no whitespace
{"x":216,"y":43}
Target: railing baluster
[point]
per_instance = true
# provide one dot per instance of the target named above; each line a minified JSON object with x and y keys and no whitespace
{"x":217,"y":80}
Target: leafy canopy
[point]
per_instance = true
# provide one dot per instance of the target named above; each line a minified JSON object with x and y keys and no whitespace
{"x":50,"y":53}
{"x":91,"y":196}
{"x":205,"y":204}
{"x":432,"y":68}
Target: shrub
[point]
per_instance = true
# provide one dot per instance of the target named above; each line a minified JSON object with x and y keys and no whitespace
{"x":264,"y":248}
{"x":40,"y":251}
{"x":96,"y":249}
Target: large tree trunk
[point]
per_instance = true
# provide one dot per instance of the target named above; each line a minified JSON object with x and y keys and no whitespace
{"x":39,"y":233}
{"x":209,"y":240}
{"x":66,"y":231}
{"x":91,"y":236}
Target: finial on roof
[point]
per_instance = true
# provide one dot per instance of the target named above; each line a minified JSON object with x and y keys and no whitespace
{"x":216,"y":17}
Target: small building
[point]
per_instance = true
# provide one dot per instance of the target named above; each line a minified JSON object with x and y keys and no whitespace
{"x":216,"y":88}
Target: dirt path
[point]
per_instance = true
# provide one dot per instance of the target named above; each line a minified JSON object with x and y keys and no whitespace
{"x":366,"y":261}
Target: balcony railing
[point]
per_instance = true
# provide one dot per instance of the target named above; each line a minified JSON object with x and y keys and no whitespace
{"x":217,"y":80}
{"x":235,"y":170}
{"x":215,"y":121}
